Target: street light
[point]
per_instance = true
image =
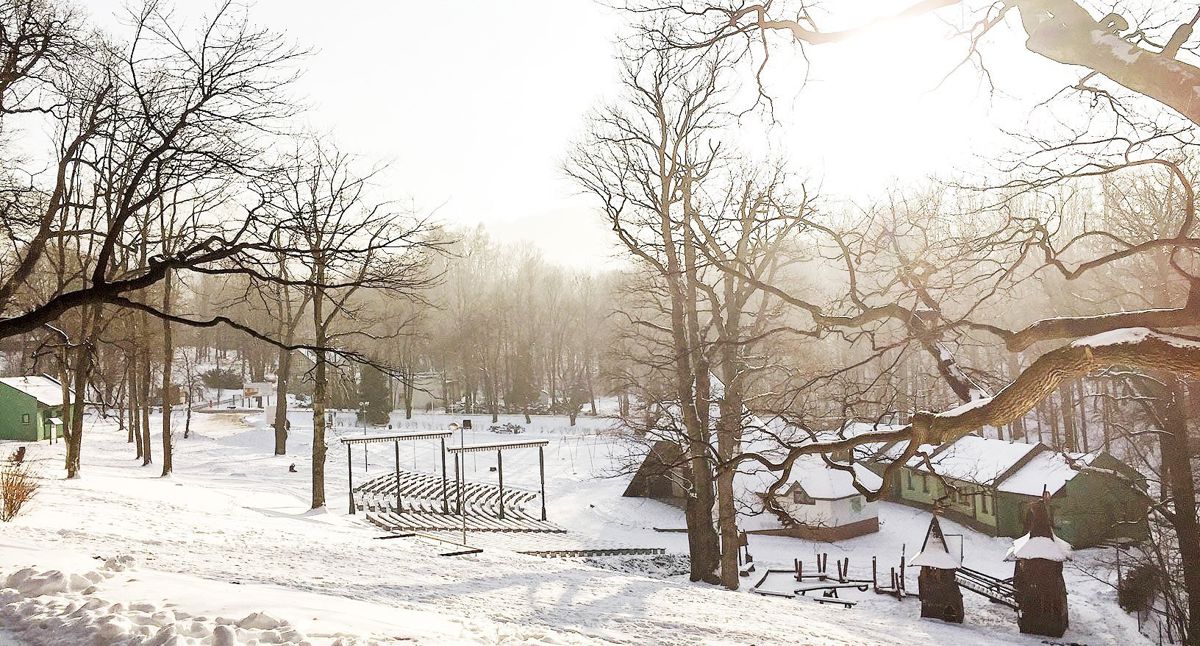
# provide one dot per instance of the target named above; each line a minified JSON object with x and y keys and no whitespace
{"x":462,"y":511}
{"x":362,"y":416}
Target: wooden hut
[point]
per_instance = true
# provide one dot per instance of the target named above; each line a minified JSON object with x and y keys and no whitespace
{"x":936,"y":582}
{"x":1038,"y":577}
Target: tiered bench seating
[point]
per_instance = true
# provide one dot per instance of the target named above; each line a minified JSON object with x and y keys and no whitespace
{"x":438,"y":522}
{"x":421,"y":507}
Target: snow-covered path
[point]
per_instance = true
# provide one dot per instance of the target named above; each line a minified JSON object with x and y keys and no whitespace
{"x":229,"y":535}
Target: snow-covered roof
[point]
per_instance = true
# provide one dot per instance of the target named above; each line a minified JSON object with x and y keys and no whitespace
{"x":47,"y":391}
{"x":823,"y":482}
{"x":752,"y":479}
{"x":1048,"y":470}
{"x":976,"y":459}
{"x":1039,"y":547}
{"x":936,"y":556}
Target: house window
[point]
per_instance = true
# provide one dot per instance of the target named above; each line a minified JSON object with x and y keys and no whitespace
{"x":856,"y":503}
{"x":924,"y":483}
{"x":24,"y":418}
{"x":986,"y":504}
{"x":909,"y":474}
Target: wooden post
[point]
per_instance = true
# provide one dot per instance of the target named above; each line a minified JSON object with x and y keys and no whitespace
{"x":445,"y":497}
{"x":500,"y":469}
{"x":542,"y":478}
{"x":396,"y":444}
{"x":350,"y":469}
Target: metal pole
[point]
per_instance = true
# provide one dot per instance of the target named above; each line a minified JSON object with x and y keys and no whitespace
{"x":445,"y":498}
{"x":461,"y":509}
{"x":542,"y":478}
{"x":462,"y":441}
{"x":457,"y":489}
{"x":500,"y":468}
{"x":396,"y":443}
{"x":350,"y":469}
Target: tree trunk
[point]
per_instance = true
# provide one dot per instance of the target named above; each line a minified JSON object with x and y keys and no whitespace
{"x":1107,"y":393}
{"x":135,"y":397}
{"x":591,"y":390}
{"x":187,"y":420}
{"x":168,"y":361}
{"x":408,"y":388}
{"x":282,"y":379}
{"x":1066,"y":394}
{"x":145,"y":401}
{"x":1083,"y":417}
{"x":320,"y":395}
{"x":1052,"y":415}
{"x":85,"y":364}
{"x":691,"y":382}
{"x":83,"y":370}
{"x":728,"y":444}
{"x":1176,"y":454}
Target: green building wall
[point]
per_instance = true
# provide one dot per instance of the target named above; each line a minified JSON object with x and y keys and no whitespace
{"x":917,"y":487}
{"x":23,"y":419}
{"x":1090,"y":509}
{"x":1093,"y":507}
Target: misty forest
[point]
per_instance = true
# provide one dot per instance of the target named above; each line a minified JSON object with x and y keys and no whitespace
{"x":620,"y":318}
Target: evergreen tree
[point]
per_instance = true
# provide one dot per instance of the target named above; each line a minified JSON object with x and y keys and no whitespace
{"x":373,"y":389}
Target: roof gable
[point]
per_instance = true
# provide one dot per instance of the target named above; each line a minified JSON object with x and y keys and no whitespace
{"x":46,"y":390}
{"x":934,"y":551}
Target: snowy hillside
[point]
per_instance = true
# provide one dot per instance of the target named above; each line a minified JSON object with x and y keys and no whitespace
{"x":226,"y":552}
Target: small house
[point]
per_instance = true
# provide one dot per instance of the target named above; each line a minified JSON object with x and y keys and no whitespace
{"x":31,"y":408}
{"x":821,"y":503}
{"x":988,"y":484}
{"x":661,"y":475}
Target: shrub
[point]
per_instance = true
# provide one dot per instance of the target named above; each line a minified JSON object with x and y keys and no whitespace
{"x":17,"y":486}
{"x":1137,"y":588}
{"x":222,"y":378}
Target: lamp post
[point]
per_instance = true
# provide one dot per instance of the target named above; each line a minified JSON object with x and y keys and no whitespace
{"x":362,"y":416}
{"x":460,"y":473}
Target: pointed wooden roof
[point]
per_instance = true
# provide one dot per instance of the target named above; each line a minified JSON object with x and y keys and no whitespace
{"x":934,"y":551}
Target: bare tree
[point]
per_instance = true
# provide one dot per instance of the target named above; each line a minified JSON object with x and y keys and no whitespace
{"x":344,"y":244}
{"x":640,"y":160}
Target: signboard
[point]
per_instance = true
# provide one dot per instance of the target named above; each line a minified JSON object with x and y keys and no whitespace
{"x":261,"y":389}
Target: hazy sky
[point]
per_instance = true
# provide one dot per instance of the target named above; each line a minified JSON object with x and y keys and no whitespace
{"x":475,"y":103}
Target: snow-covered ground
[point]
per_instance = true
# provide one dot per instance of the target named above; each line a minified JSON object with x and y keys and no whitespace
{"x":226,"y":551}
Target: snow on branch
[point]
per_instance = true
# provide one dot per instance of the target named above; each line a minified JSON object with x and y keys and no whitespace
{"x":1134,"y":347}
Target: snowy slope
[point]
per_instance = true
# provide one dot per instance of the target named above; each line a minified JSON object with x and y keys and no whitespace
{"x":229,"y":535}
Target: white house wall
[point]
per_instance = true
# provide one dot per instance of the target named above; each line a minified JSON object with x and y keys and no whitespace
{"x":830,"y":513}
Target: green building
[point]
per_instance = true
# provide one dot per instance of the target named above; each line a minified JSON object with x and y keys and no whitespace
{"x":988,"y":484}
{"x":31,"y":408}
